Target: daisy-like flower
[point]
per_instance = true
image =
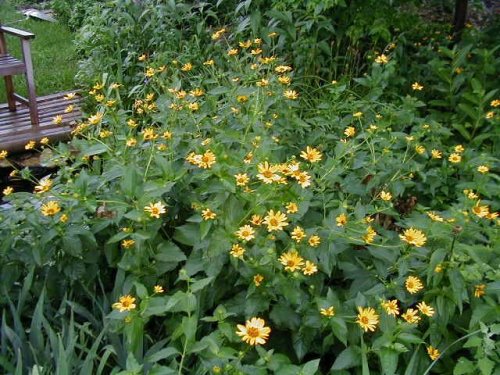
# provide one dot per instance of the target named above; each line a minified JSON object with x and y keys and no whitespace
{"x":298,"y":234}
{"x":69,"y":96}
{"x":490,"y":115}
{"x":57,"y":120}
{"x":328,"y":312}
{"x":435,"y":217}
{"x":480,"y":211}
{"x":455,"y":158}
{"x":292,"y":208}
{"x":382,"y":59}
{"x":207,"y":160}
{"x":291,"y":260}
{"x":131,"y":142}
{"x":495,"y":103}
{"x":44,"y":141}
{"x":50,"y":208}
{"x":385,"y":195}
{"x":283,"y":69}
{"x":284,"y":80}
{"x":254,"y":332}
{"x":155,"y":209}
{"x":413,"y":237}
{"x":311,"y":154}
{"x":390,"y":307}
{"x":148,"y":134}
{"x":417,"y":86}
{"x":425,"y":309}
{"x":436,"y":154}
{"x":245,"y":233}
{"x":314,"y":241}
{"x":303,"y":179}
{"x":208,"y":214}
{"x":8,"y":191}
{"x":275,"y":220}
{"x":30,"y":145}
{"x":459,"y":149}
{"x":267,"y":172}
{"x":96,"y":119}
{"x":44,"y":185}
{"x":187,"y":67}
{"x":127,"y":244}
{"x":369,"y":236}
{"x":237,"y":251}
{"x":483,"y":169}
{"x":419,"y":149}
{"x":291,"y":94}
{"x":258,"y":279}
{"x":341,"y":220}
{"x":3,"y":154}
{"x":241,"y":179}
{"x":367,"y":318}
{"x":411,"y":316}
{"x":233,"y":52}
{"x":158,"y":289}
{"x":256,"y":220}
{"x":125,"y":303}
{"x":309,"y":268}
{"x":413,"y":284}
{"x":433,"y":353}
{"x":479,"y":290}
{"x":350,"y":131}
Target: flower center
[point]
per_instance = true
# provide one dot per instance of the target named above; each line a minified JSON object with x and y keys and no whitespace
{"x":273,"y":222}
{"x":253,"y":332}
{"x":364,"y":320}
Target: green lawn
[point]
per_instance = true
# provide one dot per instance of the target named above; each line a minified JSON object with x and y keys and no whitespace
{"x":52,"y":51}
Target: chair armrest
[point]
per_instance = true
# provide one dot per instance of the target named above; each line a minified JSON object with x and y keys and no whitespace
{"x":16,"y":32}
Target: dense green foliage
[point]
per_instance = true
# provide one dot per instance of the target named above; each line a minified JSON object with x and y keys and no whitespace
{"x":157,"y":238}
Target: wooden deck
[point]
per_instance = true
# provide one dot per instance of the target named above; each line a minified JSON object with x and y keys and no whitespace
{"x":16,"y":129}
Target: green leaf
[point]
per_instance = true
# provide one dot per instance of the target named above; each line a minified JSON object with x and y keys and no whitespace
{"x":348,"y":358}
{"x":200,"y":284}
{"x":339,"y":329}
{"x":169,"y":252}
{"x":161,"y":354}
{"x":486,"y":366}
{"x":187,"y":234}
{"x":464,"y":367}
{"x":310,"y":368}
{"x":388,"y":360}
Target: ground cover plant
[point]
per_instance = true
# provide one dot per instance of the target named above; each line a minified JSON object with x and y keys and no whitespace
{"x":217,"y":213}
{"x":53,"y":53}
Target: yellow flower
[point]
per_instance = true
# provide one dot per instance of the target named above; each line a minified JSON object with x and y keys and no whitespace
{"x":483,"y":169}
{"x":209,"y":63}
{"x":150,"y":72}
{"x":30,"y":145}
{"x":311,"y":154}
{"x":246,"y":233}
{"x":413,"y":237}
{"x":411,"y":316}
{"x":495,"y":103}
{"x":187,"y":67}
{"x":57,"y":120}
{"x":208,"y":214}
{"x":490,"y":115}
{"x":435,"y":217}
{"x":125,"y":303}
{"x":391,"y":307}
{"x":357,"y":114}
{"x":309,"y":268}
{"x":419,"y":149}
{"x":256,"y":51}
{"x":413,"y":284}
{"x":341,"y":220}
{"x":267,"y":172}
{"x":284,"y":80}
{"x":263,"y":82}
{"x":291,"y":94}
{"x":44,"y":185}
{"x":245,"y":44}
{"x":386,"y":196}
{"x":438,"y":268}
{"x":96,"y":119}
{"x":367,"y":319}
{"x":50,"y":208}
{"x":417,"y":86}
{"x":433,"y":353}
{"x":303,"y":179}
{"x":350,"y":131}
{"x":207,"y":160}
{"x":155,"y":209}
{"x":275,"y":220}
{"x":158,"y":289}
{"x":291,"y":260}
{"x":143,"y":57}
{"x":369,"y":237}
{"x":436,"y":154}
{"x":127,"y":244}
{"x":241,"y":179}
{"x":480,"y":211}
{"x":233,"y":52}
{"x":455,"y":158}
{"x":282,"y":69}
{"x":256,"y":220}
{"x":382,"y":59}
{"x":64,"y":218}
{"x":425,"y":309}
{"x":193,"y":107}
{"x":292,"y":208}
{"x":328,"y":312}
{"x":69,"y":96}
{"x":44,"y":141}
{"x":254,"y":332}
{"x":131,"y":142}
{"x":242,"y":98}
{"x":3,"y":154}
{"x":479,"y":290}
{"x":459,"y":149}
{"x":8,"y":191}
{"x":237,"y":251}
{"x":314,"y":241}
{"x":257,"y":279}
{"x":298,"y":234}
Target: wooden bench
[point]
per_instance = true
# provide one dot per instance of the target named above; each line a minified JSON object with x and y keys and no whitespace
{"x":10,"y":66}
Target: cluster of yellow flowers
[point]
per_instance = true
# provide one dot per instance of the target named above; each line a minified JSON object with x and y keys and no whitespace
{"x":205,"y":160}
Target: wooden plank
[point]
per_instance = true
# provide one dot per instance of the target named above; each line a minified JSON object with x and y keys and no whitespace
{"x":21,"y":110}
{"x":51,"y":97}
{"x":16,"y":32}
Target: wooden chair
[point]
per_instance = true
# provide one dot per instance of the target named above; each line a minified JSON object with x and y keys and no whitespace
{"x":10,"y":66}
